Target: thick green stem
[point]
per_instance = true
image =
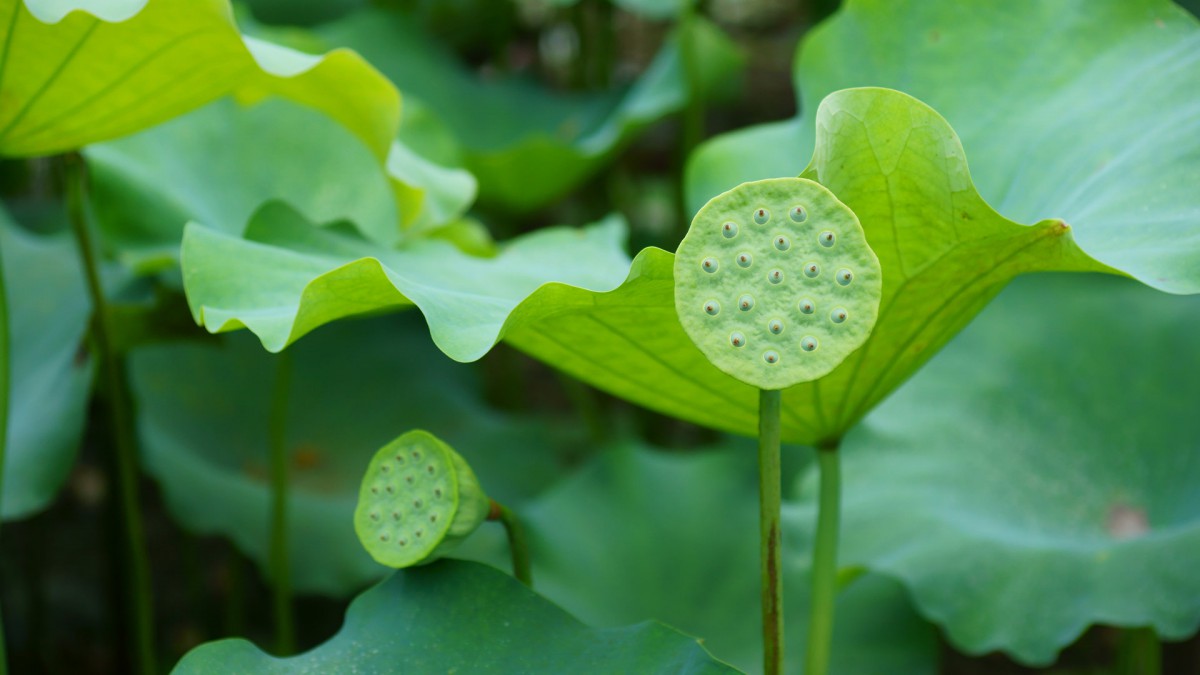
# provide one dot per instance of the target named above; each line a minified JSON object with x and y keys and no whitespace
{"x":285,"y":632}
{"x":1140,"y":652}
{"x":112,"y":377}
{"x":769,"y":497}
{"x":693,"y":113}
{"x":517,"y":543}
{"x":824,"y":567}
{"x":5,"y":381}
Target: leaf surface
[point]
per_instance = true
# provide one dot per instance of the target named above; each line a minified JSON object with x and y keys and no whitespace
{"x":455,"y":616}
{"x":1047,"y":458}
{"x":51,"y":375}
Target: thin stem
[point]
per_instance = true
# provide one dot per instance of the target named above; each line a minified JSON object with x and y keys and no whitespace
{"x":285,"y":632}
{"x":1140,"y":652}
{"x":5,"y":380}
{"x":112,"y":377}
{"x":824,"y":567}
{"x":769,"y":497}
{"x":693,"y":113}
{"x":517,"y":543}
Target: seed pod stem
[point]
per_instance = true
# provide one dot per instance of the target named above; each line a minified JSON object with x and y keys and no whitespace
{"x":517,"y":543}
{"x":769,"y":498}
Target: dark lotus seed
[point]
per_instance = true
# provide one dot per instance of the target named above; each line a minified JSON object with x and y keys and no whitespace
{"x":808,"y":343}
{"x":417,"y":503}
{"x":826,"y":238}
{"x":416,"y":455}
{"x":761,"y":216}
{"x":775,"y":326}
{"x":395,"y":515}
{"x":374,"y":515}
{"x":709,"y":265}
{"x":838,"y":315}
{"x":437,"y":493}
{"x":845,"y":276}
{"x":737,"y":339}
{"x":390,"y":490}
{"x":782,"y":243}
{"x":418,"y":533}
{"x":806,"y":306}
{"x":400,"y":459}
{"x":385,"y":468}
{"x":384,"y":537}
{"x":712,"y":308}
{"x":374,"y":490}
{"x":771,"y":356}
{"x":730,"y":230}
{"x":799,"y":214}
{"x":403,"y":542}
{"x":775,"y":276}
{"x":744,"y":259}
{"x":811,"y":270}
{"x":408,"y":479}
{"x":433,"y":518}
{"x":430,"y":469}
{"x":746,"y":303}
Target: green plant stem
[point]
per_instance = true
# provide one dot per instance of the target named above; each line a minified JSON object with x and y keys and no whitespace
{"x":693,"y":113}
{"x":5,"y":382}
{"x":112,"y":376}
{"x":285,"y":632}
{"x":517,"y":543}
{"x":824,"y":566}
{"x":1140,"y":652}
{"x":769,"y":498}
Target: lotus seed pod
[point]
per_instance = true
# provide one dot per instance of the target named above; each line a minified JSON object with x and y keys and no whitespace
{"x":418,"y":501}
{"x":807,"y":292}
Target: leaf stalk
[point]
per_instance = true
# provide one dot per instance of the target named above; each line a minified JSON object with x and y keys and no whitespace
{"x":824,"y":565}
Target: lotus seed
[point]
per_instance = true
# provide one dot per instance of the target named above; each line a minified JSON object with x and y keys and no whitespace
{"x":416,"y":503}
{"x":838,"y":315}
{"x":771,"y":356}
{"x":433,"y":518}
{"x":737,"y":339}
{"x":782,"y":243}
{"x":806,"y":306}
{"x":430,"y":469}
{"x":826,"y":238}
{"x":408,"y":479}
{"x":416,"y":455}
{"x":374,"y":515}
{"x":746,"y":303}
{"x":390,"y":490}
{"x":775,"y":276}
{"x":400,"y":459}
{"x":403,"y":542}
{"x":808,"y":343}
{"x":811,"y":270}
{"x":775,"y":326}
{"x":761,"y":216}
{"x":709,"y":265}
{"x":712,"y":308}
{"x":845,"y":276}
{"x":729,"y":229}
{"x":418,"y":533}
{"x":437,"y":493}
{"x":395,"y":515}
{"x":384,"y":537}
{"x":384,"y":468}
{"x":374,"y":490}
{"x":799,"y":214}
{"x":744,"y":259}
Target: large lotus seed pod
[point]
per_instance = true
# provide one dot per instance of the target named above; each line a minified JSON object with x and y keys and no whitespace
{"x":418,"y":500}
{"x":775,"y":282}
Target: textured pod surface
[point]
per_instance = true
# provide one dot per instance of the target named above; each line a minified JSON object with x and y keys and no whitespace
{"x":808,"y":297}
{"x":418,"y":500}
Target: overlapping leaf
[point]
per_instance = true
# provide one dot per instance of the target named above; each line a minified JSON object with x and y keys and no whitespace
{"x":1047,"y":459}
{"x":535,"y":145}
{"x":455,"y":616}
{"x":51,"y":376}
{"x":202,"y":420}
{"x":1096,"y":122}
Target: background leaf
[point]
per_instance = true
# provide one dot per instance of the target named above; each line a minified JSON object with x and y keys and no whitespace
{"x":202,"y":421}
{"x":1097,"y":122}
{"x":1047,"y":458}
{"x":455,"y":616}
{"x":51,"y":375}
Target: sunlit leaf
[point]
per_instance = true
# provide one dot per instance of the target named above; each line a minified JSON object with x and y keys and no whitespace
{"x":51,"y":375}
{"x":944,"y":253}
{"x":1046,"y":459}
{"x":1096,"y":122}
{"x":287,"y":278}
{"x":203,"y":415}
{"x":536,"y":145}
{"x":455,"y":616}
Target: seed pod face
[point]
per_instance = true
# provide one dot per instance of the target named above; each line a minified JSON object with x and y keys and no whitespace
{"x":799,"y":271}
{"x":418,"y":500}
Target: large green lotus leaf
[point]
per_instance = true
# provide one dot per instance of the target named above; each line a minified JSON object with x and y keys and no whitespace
{"x":944,"y":253}
{"x":216,"y":165}
{"x":287,"y":277}
{"x":462,"y":617}
{"x":76,"y":72}
{"x":683,"y":528}
{"x":203,"y":415}
{"x":48,"y":313}
{"x":1041,"y":474}
{"x":1096,"y":121}
{"x":536,"y":145}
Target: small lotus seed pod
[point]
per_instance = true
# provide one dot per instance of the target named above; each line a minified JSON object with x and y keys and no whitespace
{"x":729,"y":229}
{"x":432,"y":496}
{"x":796,"y":256}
